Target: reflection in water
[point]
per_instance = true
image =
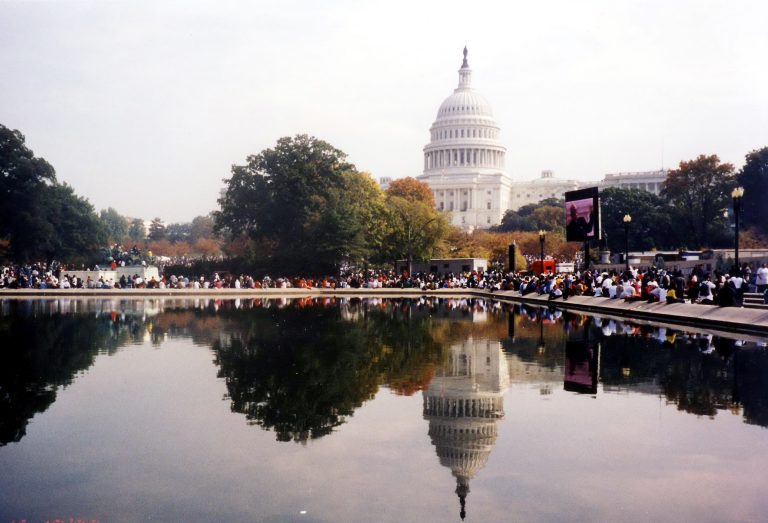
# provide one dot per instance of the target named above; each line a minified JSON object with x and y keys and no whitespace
{"x":301,"y":367}
{"x":698,"y":372}
{"x":463,"y":404}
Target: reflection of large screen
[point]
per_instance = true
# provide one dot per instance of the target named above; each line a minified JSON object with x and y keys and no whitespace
{"x":580,"y":368}
{"x":582,"y":215}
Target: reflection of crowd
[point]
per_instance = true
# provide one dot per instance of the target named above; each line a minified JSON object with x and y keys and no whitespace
{"x":704,"y":342}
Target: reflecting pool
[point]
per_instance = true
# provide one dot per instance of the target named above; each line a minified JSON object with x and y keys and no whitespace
{"x":384,"y":410}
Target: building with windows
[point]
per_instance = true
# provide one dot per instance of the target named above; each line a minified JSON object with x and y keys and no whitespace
{"x":464,"y":159}
{"x":651,"y":181}
{"x":464,"y":165}
{"x":548,"y":186}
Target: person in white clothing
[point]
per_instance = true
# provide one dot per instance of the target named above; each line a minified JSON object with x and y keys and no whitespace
{"x":762,"y":278}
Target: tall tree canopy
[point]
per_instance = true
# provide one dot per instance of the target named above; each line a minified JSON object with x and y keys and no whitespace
{"x":754,"y":178}
{"x":699,"y":190}
{"x":136,"y":230}
{"x":303,"y":206}
{"x":651,"y":225}
{"x":41,"y":218}
{"x":547,"y":215}
{"x":411,"y":189}
{"x":415,"y":229}
{"x":115,"y":225}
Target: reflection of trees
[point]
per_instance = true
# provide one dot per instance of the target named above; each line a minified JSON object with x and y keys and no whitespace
{"x":301,"y":371}
{"x":38,"y":355}
{"x":298,"y":367}
{"x":698,"y":383}
{"x":683,"y":368}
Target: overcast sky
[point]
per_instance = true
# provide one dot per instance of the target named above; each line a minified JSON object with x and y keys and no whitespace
{"x":145,"y":105}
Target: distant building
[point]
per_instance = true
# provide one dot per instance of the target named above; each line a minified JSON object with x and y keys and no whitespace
{"x":651,"y":181}
{"x":464,"y":165}
{"x":384,"y":182}
{"x":534,"y":191}
{"x":445,"y":265}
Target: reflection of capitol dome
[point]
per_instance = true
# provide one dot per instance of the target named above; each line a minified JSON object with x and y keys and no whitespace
{"x":464,"y":159}
{"x":463,"y":404}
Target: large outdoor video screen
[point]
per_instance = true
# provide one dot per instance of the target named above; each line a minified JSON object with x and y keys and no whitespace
{"x":582,"y":215}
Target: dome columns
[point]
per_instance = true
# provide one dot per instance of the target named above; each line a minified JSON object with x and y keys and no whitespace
{"x":443,"y":158}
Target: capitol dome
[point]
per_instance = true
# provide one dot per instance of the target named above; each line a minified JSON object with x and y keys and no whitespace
{"x":464,"y":101}
{"x":464,"y":161}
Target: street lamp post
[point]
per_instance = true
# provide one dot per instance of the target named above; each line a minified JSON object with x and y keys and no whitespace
{"x":737,"y":194}
{"x":542,"y":235}
{"x":627,"y":220}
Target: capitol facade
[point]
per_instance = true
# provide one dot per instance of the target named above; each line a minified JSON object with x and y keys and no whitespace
{"x":464,"y":164}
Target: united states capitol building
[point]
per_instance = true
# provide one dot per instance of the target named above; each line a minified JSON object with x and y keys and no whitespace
{"x":465,"y":164}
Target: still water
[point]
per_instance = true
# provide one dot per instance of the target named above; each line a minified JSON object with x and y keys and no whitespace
{"x":336,"y":410}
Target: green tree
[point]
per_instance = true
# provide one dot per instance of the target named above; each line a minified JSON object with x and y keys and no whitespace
{"x":201,"y":228}
{"x":651,"y":225}
{"x":546,"y":214}
{"x":415,"y":229}
{"x":115,"y":225}
{"x":754,"y":178}
{"x":22,"y":178}
{"x":178,"y":232}
{"x":77,"y":232}
{"x":40,"y":217}
{"x":298,"y":203}
{"x":136,"y":230}
{"x":699,"y":190}
{"x":157,"y":230}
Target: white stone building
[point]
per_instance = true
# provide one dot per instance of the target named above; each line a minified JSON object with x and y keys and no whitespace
{"x":651,"y":181}
{"x":464,"y":160}
{"x":464,"y":165}
{"x":548,"y":186}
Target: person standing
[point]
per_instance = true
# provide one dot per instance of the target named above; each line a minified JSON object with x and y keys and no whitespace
{"x":762,"y":278}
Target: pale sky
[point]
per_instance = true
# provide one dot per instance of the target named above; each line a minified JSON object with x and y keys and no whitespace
{"x":144,"y":105}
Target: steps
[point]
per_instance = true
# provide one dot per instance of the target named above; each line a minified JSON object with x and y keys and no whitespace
{"x":754,"y":300}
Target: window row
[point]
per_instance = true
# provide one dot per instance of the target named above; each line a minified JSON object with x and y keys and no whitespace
{"x":464,"y":133}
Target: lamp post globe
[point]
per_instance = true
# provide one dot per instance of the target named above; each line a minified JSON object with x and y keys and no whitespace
{"x":737,"y":194}
{"x":627,"y":220}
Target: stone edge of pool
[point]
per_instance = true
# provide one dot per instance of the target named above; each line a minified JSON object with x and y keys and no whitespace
{"x":707,"y":316}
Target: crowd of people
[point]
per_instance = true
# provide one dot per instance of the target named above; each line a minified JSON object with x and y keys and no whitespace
{"x":652,"y":284}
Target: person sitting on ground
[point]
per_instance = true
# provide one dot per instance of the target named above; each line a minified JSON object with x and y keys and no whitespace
{"x":557,"y":292}
{"x":727,"y":297}
{"x":656,"y":293}
{"x":706,"y":291}
{"x":672,"y":297}
{"x":628,"y":293}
